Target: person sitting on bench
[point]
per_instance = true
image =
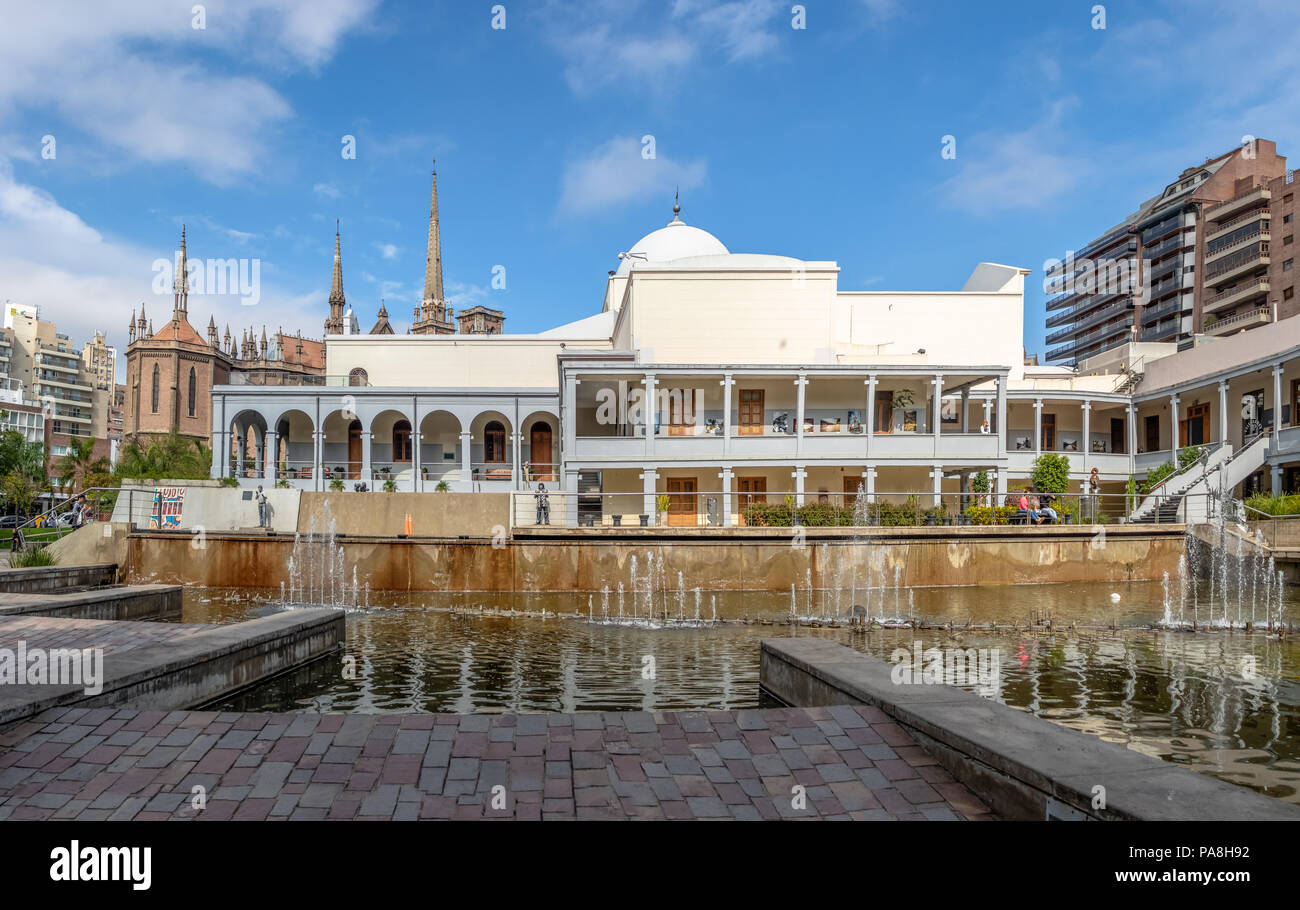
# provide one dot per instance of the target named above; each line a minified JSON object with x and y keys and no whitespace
{"x":1046,"y":509}
{"x":1027,"y":509}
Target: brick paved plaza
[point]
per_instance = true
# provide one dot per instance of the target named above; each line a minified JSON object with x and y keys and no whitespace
{"x":95,"y":764}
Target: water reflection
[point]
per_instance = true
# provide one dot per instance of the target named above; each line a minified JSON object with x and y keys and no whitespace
{"x":1224,"y":703}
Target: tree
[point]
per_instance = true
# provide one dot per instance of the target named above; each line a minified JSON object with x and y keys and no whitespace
{"x":1051,"y":473}
{"x":79,"y":463}
{"x":17,"y":454}
{"x":170,"y":457}
{"x":980,"y":482}
{"x":19,"y":492}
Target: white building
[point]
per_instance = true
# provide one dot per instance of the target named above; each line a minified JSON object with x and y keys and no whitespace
{"x":714,"y":377}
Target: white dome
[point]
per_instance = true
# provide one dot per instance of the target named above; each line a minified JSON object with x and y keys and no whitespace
{"x":676,"y":241}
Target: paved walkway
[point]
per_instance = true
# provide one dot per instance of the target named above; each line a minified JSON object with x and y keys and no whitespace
{"x":851,"y":762}
{"x":113,"y":635}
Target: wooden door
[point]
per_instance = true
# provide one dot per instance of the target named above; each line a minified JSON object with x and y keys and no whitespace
{"x":851,"y":485}
{"x":681,"y":412}
{"x":1153,"y":433}
{"x":1049,"y":432}
{"x":682,"y":508}
{"x":752,"y":491}
{"x":884,"y":412}
{"x":751,"y":412}
{"x":1191,"y":429}
{"x":539,"y":452}
{"x":354,"y":450}
{"x":1117,"y":441}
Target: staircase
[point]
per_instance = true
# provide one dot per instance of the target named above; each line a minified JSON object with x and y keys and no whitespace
{"x":1165,"y":499}
{"x":1225,"y":476}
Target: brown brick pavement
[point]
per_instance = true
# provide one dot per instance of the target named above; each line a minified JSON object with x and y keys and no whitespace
{"x":94,"y":764}
{"x":113,"y":635}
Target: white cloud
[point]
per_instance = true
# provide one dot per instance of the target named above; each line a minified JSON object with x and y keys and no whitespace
{"x":84,"y":280}
{"x":387,"y":250}
{"x":126,"y":73}
{"x":326,"y":190}
{"x":1027,"y":170}
{"x":632,"y":42}
{"x":615,"y":174}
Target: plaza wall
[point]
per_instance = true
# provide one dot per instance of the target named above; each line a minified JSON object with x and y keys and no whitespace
{"x":713,"y":562}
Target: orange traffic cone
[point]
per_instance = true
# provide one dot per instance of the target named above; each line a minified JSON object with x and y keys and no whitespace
{"x":408,"y":524}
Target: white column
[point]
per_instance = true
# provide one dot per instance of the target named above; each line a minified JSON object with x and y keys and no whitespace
{"x":1038,"y":426}
{"x":1277,"y":408}
{"x":568,"y":416}
{"x":936,"y":413}
{"x":271,"y":458}
{"x":317,"y":456}
{"x":516,"y":462}
{"x":415,"y":453}
{"x":1223,"y":412}
{"x":1132,"y":435}
{"x":1001,"y":477}
{"x":1002,"y":417}
{"x":570,"y":500}
{"x":1173,"y":423}
{"x":651,"y":411}
{"x":466,"y":458}
{"x":965,"y":409}
{"x":259,"y":453}
{"x":241,"y":446}
{"x":1087,"y":437}
{"x":367,"y":476}
{"x":648,"y":504}
{"x":798,"y":474}
{"x":936,"y":485}
{"x":870,"y":428}
{"x":871,"y":484}
{"x":800,"y":385}
{"x":988,"y":413}
{"x":727,"y":383}
{"x":726,"y":476}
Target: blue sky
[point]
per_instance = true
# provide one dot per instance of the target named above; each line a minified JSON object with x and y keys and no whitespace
{"x":821,"y":143}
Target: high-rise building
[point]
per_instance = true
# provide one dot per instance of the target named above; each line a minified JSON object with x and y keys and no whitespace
{"x":1193,"y":260}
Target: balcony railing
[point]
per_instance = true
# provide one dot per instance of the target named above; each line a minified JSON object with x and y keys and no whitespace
{"x":1237,"y":294}
{"x":1262,"y":214}
{"x":1250,"y":197}
{"x":1226,"y":267}
{"x":1237,"y":321}
{"x":1214,"y":252}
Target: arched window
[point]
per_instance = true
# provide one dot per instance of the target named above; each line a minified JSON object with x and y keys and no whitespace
{"x":157,"y":384}
{"x":194,"y":390}
{"x":402,"y":441}
{"x":358,"y":377}
{"x":494,"y":443}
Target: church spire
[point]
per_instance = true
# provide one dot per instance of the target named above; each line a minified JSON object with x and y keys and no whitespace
{"x":180,"y":285}
{"x":334,"y":324}
{"x":432,"y":316}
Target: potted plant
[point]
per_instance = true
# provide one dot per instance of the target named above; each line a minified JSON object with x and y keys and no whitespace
{"x":337,"y":484}
{"x":390,"y":485}
{"x":663,"y":502}
{"x":441,"y":487}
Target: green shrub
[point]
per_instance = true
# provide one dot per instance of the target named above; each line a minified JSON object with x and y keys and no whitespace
{"x":1275,"y":505}
{"x":336,"y":484}
{"x":1157,"y":474}
{"x":230,"y":481}
{"x":390,"y":485}
{"x":980,"y":482}
{"x":1051,"y":473}
{"x":32,"y":556}
{"x":983,"y":515}
{"x":441,"y":487}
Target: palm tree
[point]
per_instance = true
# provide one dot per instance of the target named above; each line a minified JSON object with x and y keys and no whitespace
{"x":75,"y":465}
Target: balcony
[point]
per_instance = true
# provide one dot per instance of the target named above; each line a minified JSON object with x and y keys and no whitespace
{"x":1164,"y":246}
{"x":1091,"y":301}
{"x":1240,"y":243}
{"x":1227,"y":227}
{"x":1239,"y":263}
{"x":1162,"y":330}
{"x":1151,"y":314}
{"x":1088,"y":338}
{"x":1233,"y":296}
{"x":1230,"y":325}
{"x":1173,"y":222}
{"x":1256,"y":196}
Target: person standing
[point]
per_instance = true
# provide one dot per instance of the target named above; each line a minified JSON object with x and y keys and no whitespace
{"x":261,"y":508}
{"x":543,"y":505}
{"x":1094,"y":489}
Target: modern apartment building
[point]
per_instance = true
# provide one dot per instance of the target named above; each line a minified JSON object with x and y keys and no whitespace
{"x":1193,"y":260}
{"x":53,"y":373}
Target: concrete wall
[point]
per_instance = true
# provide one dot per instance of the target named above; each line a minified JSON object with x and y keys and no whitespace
{"x":589,"y":562}
{"x":52,"y":579}
{"x":479,"y":515}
